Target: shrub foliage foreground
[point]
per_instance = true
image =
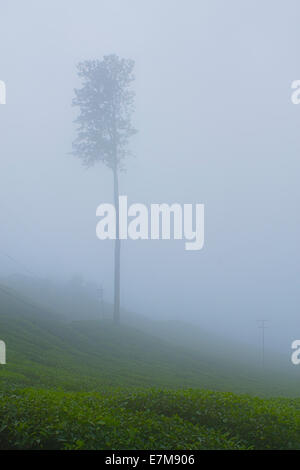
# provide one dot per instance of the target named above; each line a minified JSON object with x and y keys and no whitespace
{"x":146,"y":419}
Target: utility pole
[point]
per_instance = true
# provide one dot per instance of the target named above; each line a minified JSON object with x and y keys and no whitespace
{"x":262,"y":326}
{"x":100,"y":291}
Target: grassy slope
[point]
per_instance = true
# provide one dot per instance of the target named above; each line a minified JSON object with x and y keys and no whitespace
{"x":43,"y":350}
{"x":90,"y":389}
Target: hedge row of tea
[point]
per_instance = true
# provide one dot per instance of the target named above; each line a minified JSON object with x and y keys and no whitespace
{"x":146,"y":419}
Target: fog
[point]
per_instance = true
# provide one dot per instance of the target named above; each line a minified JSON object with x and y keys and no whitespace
{"x":215,"y":126}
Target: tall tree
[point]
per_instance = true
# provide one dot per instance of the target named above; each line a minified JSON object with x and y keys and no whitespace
{"x":106,"y":103}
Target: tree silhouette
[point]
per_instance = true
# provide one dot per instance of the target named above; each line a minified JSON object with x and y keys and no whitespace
{"x":106,"y":103}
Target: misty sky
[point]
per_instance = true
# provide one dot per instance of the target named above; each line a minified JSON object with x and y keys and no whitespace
{"x":216,"y":126}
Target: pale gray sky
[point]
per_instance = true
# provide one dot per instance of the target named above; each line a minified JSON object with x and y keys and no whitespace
{"x":216,"y":126}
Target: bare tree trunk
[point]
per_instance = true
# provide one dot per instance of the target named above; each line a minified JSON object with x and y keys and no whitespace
{"x":117,"y":252}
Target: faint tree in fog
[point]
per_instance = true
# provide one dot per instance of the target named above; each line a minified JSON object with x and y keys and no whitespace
{"x":106,"y":103}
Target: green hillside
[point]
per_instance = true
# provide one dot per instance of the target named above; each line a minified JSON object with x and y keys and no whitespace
{"x":43,"y":349}
{"x":87,"y":384}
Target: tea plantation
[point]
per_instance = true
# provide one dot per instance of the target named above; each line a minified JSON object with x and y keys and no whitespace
{"x":91,"y":385}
